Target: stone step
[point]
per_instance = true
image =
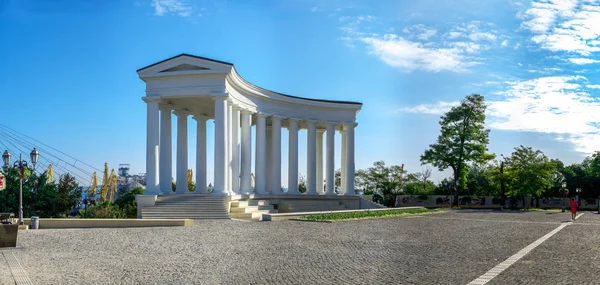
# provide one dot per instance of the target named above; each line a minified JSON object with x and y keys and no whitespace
{"x":199,"y":212}
{"x":190,"y":200}
{"x":315,"y":208}
{"x":147,"y":215}
{"x":190,"y":204}
{"x":188,"y":217}
{"x":254,"y":215}
{"x":250,"y":203}
{"x":185,"y":210}
{"x":250,"y":209}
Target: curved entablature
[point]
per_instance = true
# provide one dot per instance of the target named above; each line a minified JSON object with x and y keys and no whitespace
{"x":180,"y":79}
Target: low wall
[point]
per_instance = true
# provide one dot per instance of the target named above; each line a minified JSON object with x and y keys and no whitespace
{"x":110,"y":223}
{"x":488,"y":201}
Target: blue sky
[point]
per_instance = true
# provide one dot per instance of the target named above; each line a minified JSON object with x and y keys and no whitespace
{"x":68,"y":68}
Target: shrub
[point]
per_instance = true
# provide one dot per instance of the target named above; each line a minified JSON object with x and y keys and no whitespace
{"x":127,"y":204}
{"x":104,"y":210}
{"x":423,"y":197}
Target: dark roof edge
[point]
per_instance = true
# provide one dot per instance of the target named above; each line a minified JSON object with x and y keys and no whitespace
{"x":184,"y":54}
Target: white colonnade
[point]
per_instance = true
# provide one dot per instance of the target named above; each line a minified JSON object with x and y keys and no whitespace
{"x":211,"y":90}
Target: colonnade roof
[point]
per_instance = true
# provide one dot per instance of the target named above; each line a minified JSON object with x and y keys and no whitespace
{"x":231,"y":67}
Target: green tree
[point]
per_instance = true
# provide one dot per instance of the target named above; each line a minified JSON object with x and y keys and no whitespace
{"x":463,"y":140}
{"x":382,"y":179}
{"x":69,"y":195}
{"x":480,"y":181}
{"x":529,"y":172}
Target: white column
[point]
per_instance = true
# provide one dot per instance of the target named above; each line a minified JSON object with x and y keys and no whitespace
{"x":201,"y":153}
{"x":228,"y":142}
{"x":152,"y":137}
{"x":220,"y":146}
{"x":320,"y":161}
{"x":293,"y":158}
{"x":166,"y":159}
{"x":276,"y":155}
{"x":311,"y":159}
{"x":235,"y":155}
{"x":260,"y":168}
{"x":268,"y":160}
{"x":182,"y":153}
{"x":349,"y":159}
{"x":246,"y":150}
{"x":330,"y":166}
{"x":343,"y":166}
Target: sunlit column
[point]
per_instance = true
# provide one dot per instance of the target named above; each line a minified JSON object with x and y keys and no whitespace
{"x":311,"y":159}
{"x":152,"y":143}
{"x":182,"y":153}
{"x":330,"y":166}
{"x":260,"y":168}
{"x":220,"y":170}
{"x":293,"y":157}
{"x":320,"y":161}
{"x":275,"y":155}
{"x":246,"y":149}
{"x":166,"y":152}
{"x":201,"y":153}
{"x":349,"y":159}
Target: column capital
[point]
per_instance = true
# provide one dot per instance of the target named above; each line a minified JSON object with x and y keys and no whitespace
{"x":219,"y":96}
{"x":165,"y":106}
{"x":245,"y":111}
{"x":349,"y":125}
{"x":183,"y":112}
{"x":151,"y":99}
{"x":321,"y":131}
{"x":201,"y":117}
{"x":275,"y":117}
{"x":260,"y":114}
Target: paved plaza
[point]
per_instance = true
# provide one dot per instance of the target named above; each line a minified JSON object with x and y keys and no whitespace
{"x":456,"y":247}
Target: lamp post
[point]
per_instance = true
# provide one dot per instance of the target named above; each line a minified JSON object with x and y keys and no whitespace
{"x":21,"y":165}
{"x":578,"y":191}
{"x":564,"y":191}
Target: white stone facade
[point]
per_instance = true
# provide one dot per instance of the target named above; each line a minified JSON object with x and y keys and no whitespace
{"x":207,"y":89}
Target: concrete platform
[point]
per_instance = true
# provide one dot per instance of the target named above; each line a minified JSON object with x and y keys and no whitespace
{"x":111,"y":223}
{"x":288,"y":216}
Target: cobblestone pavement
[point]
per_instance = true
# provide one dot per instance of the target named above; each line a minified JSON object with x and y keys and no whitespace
{"x":572,"y":256}
{"x":449,"y":248}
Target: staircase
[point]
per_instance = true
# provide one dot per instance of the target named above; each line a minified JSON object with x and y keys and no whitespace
{"x":290,"y":206}
{"x":188,"y":206}
{"x":251,"y":209}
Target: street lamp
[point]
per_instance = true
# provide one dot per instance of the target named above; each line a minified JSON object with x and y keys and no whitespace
{"x":21,"y":165}
{"x":564,"y":191}
{"x":578,"y":190}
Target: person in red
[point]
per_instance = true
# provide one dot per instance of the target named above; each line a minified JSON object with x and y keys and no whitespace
{"x":573,"y":209}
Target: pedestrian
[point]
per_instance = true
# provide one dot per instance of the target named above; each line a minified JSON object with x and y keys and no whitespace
{"x":573,"y":209}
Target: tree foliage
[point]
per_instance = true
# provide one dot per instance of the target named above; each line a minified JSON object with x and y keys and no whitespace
{"x":529,"y":172}
{"x":463,"y":139}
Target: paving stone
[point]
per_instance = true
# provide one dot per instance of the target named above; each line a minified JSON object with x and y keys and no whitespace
{"x":450,"y":248}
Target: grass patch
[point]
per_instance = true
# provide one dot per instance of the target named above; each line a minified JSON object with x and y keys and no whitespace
{"x":368,"y":214}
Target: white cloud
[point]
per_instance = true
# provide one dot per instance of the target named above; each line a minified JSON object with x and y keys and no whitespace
{"x":162,"y":7}
{"x":432,"y":109}
{"x":520,"y":64}
{"x":421,"y":49}
{"x":504,"y":43}
{"x":583,"y":60}
{"x":421,"y":31}
{"x":564,"y":25}
{"x":556,"y":104}
{"x":399,"y":52}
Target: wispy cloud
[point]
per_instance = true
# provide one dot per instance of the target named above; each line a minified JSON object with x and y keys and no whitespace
{"x":174,"y":7}
{"x":421,"y":47}
{"x":556,"y":104}
{"x":432,"y":109}
{"x":583,"y":60}
{"x":564,"y":25}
